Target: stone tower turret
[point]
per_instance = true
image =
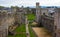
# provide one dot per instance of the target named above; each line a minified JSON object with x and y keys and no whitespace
{"x":38,"y":12}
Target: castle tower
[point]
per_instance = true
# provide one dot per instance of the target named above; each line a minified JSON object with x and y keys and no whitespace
{"x":38,"y":13}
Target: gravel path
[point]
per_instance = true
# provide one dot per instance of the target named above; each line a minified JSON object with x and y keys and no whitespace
{"x":41,"y":32}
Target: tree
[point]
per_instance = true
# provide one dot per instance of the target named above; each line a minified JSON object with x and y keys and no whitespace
{"x":1,"y":7}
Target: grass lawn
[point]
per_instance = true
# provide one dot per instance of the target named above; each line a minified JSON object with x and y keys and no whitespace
{"x":31,"y":16}
{"x":31,"y":32}
{"x":21,"y":29}
{"x":18,"y":30}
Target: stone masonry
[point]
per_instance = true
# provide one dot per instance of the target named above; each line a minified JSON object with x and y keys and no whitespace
{"x":9,"y":19}
{"x":38,"y":13}
{"x":57,"y":22}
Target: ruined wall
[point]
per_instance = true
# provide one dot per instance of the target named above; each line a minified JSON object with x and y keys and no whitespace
{"x":57,"y":22}
{"x":19,"y":15}
{"x":44,"y":10}
{"x":6,"y":20}
{"x":9,"y":19}
{"x":48,"y":23}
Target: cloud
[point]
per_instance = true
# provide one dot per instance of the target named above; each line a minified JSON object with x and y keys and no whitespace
{"x":29,"y":2}
{"x":51,"y":2}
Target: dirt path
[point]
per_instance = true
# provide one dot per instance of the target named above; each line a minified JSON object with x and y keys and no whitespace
{"x":40,"y":32}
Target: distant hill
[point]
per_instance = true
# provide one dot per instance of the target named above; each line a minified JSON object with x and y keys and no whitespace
{"x":45,"y":6}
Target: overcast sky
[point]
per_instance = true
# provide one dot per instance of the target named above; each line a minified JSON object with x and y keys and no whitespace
{"x":26,"y":3}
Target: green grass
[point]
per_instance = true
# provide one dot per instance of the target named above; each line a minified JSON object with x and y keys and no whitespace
{"x":18,"y":35}
{"x":31,"y":16}
{"x":31,"y":32}
{"x":18,"y":30}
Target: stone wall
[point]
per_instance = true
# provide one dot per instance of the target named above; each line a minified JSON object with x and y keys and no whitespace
{"x":48,"y":23}
{"x":6,"y":20}
{"x":44,"y":11}
{"x":10,"y":19}
{"x":38,"y":12}
{"x":19,"y":15}
{"x":57,"y":22}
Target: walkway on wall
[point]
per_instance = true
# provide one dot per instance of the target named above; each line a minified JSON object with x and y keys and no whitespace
{"x":27,"y":29}
{"x":41,"y":32}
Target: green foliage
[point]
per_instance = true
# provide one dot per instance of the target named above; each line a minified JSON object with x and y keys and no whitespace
{"x":14,"y":7}
{"x":1,"y":6}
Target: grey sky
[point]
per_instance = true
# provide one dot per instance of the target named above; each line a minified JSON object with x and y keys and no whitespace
{"x":29,"y":2}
